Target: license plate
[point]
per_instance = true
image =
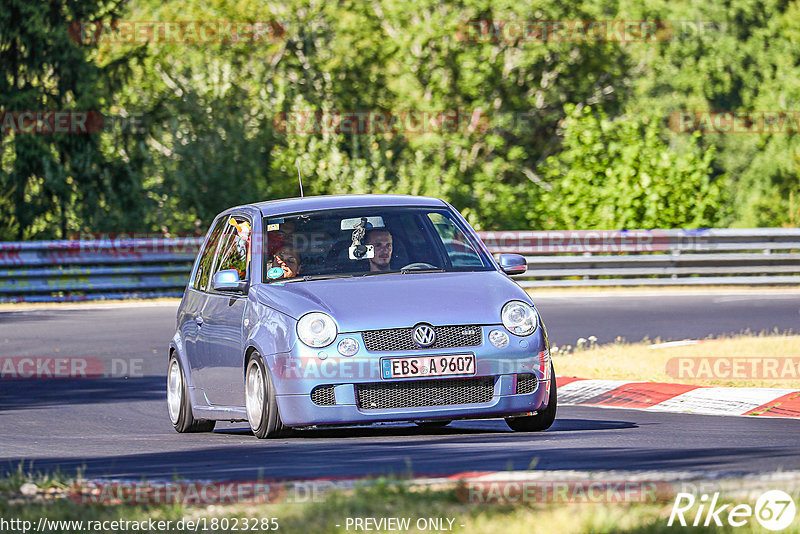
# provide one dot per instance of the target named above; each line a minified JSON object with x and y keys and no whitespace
{"x":455,"y":364}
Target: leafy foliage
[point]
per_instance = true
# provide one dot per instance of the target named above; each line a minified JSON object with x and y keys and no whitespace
{"x":574,"y":134}
{"x":57,"y":182}
{"x":620,"y":174}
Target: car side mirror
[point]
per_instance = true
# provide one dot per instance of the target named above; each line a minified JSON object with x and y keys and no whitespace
{"x":228,"y":280}
{"x":513,"y":263}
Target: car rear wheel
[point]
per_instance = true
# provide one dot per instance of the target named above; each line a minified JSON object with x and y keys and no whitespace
{"x":262,"y":407}
{"x":542,"y":420}
{"x":178,"y":403}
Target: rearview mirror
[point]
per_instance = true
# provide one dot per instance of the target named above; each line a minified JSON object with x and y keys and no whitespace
{"x":372,"y":222}
{"x":228,"y":280}
{"x":513,"y":263}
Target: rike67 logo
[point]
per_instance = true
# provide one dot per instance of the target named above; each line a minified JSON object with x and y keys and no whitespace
{"x":774,"y":510}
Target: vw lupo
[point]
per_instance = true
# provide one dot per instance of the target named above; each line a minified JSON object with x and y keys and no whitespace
{"x":355,"y":309}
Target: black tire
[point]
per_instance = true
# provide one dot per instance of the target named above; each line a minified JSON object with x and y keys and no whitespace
{"x":432,"y":425}
{"x":267,"y":423}
{"x":180,"y":415}
{"x":542,"y":420}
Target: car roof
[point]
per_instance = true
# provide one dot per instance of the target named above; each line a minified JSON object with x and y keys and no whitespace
{"x":293,"y":205}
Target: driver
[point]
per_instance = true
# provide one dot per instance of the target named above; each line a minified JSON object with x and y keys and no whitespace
{"x":287,"y":259}
{"x":381,"y":239}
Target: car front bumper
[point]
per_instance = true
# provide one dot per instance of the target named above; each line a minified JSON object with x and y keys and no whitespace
{"x":298,"y":373}
{"x":300,"y":410}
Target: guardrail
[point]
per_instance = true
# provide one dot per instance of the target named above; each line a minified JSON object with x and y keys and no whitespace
{"x":47,"y":271}
{"x":42,"y":271}
{"x":759,"y":256}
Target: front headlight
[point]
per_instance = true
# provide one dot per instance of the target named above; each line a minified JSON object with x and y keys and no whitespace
{"x":519,"y":318}
{"x":316,"y":329}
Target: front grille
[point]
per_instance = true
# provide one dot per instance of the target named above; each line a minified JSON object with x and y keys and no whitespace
{"x":527,"y":383}
{"x":323,"y":396}
{"x":420,"y":393}
{"x":447,"y":337}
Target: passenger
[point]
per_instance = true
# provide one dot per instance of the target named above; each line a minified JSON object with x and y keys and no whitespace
{"x":381,"y":239}
{"x":277,"y":239}
{"x":288,"y":260}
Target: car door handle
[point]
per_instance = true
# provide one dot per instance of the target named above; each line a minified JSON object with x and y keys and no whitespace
{"x":199,"y":320}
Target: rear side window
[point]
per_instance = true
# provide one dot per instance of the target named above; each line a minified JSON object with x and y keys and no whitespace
{"x":206,"y":257}
{"x":234,"y":250}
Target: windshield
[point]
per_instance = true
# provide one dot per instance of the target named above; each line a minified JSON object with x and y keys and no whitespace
{"x":368,"y":241}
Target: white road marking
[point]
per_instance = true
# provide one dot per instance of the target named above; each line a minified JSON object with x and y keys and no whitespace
{"x":582,"y":390}
{"x":720,"y":400}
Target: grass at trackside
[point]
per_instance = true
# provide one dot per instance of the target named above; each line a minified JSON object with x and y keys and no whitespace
{"x":382,"y":499}
{"x":638,"y":362}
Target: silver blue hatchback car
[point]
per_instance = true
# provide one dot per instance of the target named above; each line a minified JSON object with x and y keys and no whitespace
{"x":355,"y":309}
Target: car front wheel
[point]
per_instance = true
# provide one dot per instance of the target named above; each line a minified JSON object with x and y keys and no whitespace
{"x":262,"y":407}
{"x":178,"y":403}
{"x":542,"y":420}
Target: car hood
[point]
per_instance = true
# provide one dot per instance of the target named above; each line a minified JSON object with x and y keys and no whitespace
{"x":397,"y":300}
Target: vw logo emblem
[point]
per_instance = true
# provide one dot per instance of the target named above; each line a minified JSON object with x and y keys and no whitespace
{"x":424,"y":335}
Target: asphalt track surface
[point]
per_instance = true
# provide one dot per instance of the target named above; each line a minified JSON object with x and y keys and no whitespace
{"x":118,"y":428}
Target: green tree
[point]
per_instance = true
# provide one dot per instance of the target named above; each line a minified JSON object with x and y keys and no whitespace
{"x":59,"y":182}
{"x":739,"y":55}
{"x":619,"y":173}
{"x":212,"y":137}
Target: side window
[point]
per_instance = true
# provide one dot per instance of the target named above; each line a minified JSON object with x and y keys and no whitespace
{"x":207,"y":255}
{"x":234,"y":250}
{"x":457,"y":245}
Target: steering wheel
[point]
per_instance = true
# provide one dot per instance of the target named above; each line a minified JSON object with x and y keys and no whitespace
{"x":418,"y":266}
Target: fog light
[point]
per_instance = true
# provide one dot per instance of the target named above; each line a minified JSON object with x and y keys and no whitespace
{"x":498,"y":338}
{"x":348,"y":346}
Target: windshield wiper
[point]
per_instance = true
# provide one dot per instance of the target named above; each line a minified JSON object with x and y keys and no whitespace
{"x":431,"y":270}
{"x":354,"y":275}
{"x":314,"y":277}
{"x":375,"y":273}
